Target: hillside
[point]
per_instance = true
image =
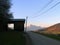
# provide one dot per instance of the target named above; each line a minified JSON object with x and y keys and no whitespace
{"x":53,"y":29}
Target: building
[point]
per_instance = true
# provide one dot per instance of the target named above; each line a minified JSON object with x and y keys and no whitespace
{"x":18,"y":24}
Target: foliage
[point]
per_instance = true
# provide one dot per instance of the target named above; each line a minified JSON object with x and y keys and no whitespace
{"x":5,"y":14}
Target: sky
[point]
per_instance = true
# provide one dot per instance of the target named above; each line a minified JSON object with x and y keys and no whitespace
{"x":40,"y":12}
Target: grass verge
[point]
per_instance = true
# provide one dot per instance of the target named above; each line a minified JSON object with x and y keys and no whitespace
{"x":12,"y":38}
{"x":56,"y":37}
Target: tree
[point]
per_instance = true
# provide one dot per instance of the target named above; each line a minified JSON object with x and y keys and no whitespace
{"x":5,"y":14}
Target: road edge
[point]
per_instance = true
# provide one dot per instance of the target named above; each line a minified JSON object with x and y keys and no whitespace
{"x":28,"y":39}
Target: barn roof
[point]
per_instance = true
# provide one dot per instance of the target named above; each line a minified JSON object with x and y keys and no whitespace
{"x":16,"y":20}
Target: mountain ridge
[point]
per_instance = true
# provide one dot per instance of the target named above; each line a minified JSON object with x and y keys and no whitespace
{"x":33,"y":28}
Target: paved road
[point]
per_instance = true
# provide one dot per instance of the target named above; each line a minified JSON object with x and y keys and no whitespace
{"x":38,"y":39}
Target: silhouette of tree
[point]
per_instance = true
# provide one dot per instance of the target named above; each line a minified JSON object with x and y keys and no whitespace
{"x":5,"y":14}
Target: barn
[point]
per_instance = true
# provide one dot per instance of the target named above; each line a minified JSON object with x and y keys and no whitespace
{"x":18,"y":24}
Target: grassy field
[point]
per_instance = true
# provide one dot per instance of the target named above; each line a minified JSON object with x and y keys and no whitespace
{"x":12,"y":38}
{"x":56,"y":37}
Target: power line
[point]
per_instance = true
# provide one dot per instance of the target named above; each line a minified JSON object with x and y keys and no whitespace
{"x":44,"y":7}
{"x":51,"y":7}
{"x":47,"y":10}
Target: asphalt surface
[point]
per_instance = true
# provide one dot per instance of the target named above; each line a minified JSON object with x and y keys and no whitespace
{"x":38,"y":39}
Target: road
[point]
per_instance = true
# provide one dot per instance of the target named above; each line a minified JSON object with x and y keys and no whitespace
{"x":38,"y":39}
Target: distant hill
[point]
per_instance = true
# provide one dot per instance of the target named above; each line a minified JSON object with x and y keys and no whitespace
{"x":53,"y":29}
{"x":33,"y":28}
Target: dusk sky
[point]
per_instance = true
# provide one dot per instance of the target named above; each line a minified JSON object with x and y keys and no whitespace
{"x":40,"y":12}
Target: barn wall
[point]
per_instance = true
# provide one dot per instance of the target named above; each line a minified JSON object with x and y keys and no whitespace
{"x":19,"y":26}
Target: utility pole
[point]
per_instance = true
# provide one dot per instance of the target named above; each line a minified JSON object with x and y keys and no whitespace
{"x":26,"y":21}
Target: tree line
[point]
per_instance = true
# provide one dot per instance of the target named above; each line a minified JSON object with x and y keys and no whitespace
{"x":5,"y":13}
